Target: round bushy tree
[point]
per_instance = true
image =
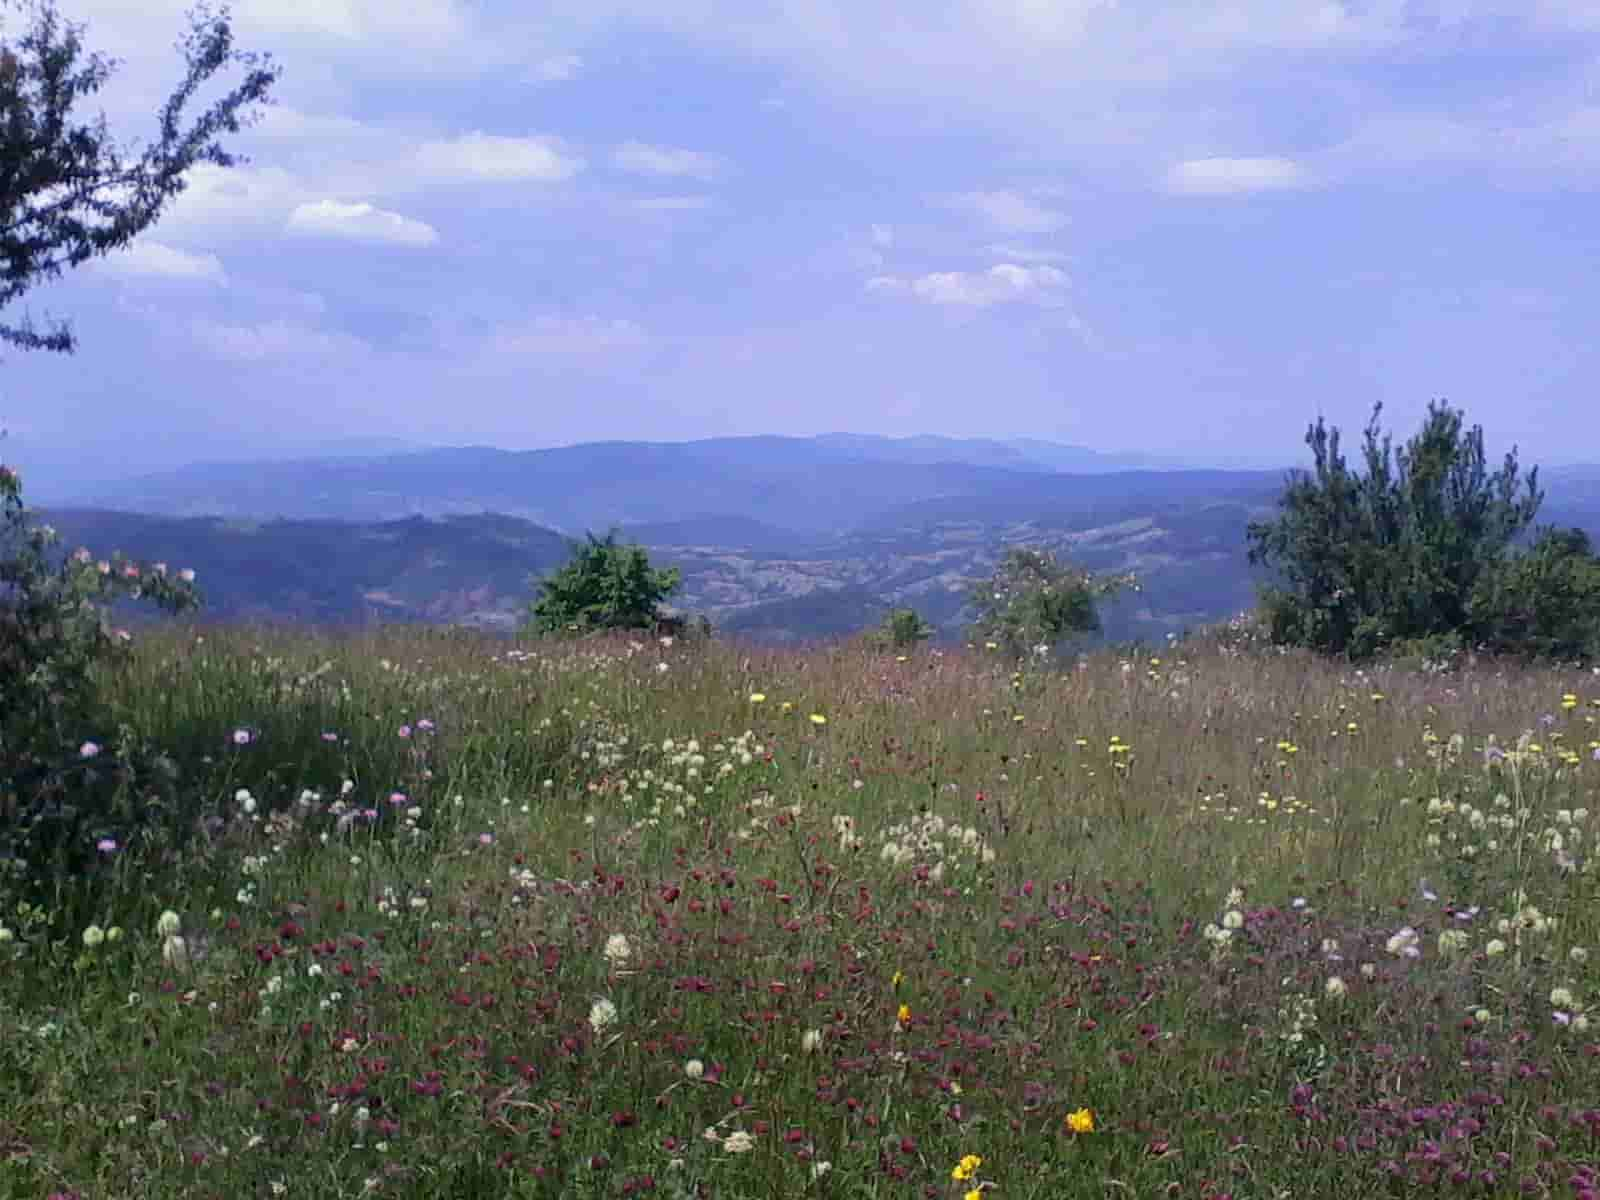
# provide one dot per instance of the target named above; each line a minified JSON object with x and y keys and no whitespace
{"x":605,"y":585}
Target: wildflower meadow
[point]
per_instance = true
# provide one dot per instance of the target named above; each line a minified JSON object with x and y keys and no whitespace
{"x":439,"y":915}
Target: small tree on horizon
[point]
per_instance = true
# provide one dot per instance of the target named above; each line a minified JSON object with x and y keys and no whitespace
{"x":605,"y":585}
{"x":901,"y":629}
{"x":1034,"y":600}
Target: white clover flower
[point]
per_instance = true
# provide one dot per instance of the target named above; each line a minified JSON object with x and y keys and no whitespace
{"x":1335,"y":988}
{"x":617,"y":950}
{"x":1561,"y":997}
{"x":602,"y":1015}
{"x":1495,"y":948}
{"x":694,"y":1069}
{"x":1482,"y":1016}
{"x":738,"y":1142}
{"x":810,"y":1041}
{"x":168,"y":923}
{"x":1233,"y":919}
{"x":1452,"y":941}
{"x":1234,"y":898}
{"x":1404,"y":943}
{"x":93,"y":936}
{"x":175,"y":952}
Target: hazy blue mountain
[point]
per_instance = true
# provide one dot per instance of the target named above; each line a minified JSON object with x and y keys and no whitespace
{"x":471,"y":570}
{"x":815,"y":486}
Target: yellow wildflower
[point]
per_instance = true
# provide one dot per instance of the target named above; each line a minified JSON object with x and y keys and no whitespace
{"x":758,"y":697}
{"x":1081,"y":1121}
{"x":903,"y":1016}
{"x":966,"y":1168}
{"x":818,"y":719}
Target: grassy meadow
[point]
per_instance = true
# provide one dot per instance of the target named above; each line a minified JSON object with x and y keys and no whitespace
{"x":469,"y":918}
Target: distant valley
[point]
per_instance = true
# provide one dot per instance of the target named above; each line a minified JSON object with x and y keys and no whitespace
{"x":778,"y":539}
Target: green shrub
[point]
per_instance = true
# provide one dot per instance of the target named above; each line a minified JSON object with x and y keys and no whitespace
{"x":62,"y":789}
{"x":1543,"y":602}
{"x":1366,"y":561}
{"x":1033,"y":602}
{"x":902,"y":628}
{"x":604,"y":586}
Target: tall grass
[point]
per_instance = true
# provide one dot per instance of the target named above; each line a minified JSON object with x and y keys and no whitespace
{"x":475,"y":918}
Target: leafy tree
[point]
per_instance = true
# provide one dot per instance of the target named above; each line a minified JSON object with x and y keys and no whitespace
{"x":67,"y":193}
{"x":604,"y":585}
{"x":901,"y":629}
{"x":1393,"y":554}
{"x":1033,"y":601}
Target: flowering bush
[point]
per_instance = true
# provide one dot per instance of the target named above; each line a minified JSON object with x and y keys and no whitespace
{"x":55,"y":630}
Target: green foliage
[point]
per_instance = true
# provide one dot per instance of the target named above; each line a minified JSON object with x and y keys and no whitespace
{"x":59,"y":789}
{"x":1543,"y":602}
{"x":68,"y":195}
{"x":1033,"y":600}
{"x":901,"y":629}
{"x":1394,"y":554}
{"x":605,"y":585}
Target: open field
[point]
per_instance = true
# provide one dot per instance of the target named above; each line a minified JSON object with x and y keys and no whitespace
{"x":474,"y":918}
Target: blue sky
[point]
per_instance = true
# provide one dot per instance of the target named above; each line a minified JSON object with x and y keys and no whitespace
{"x":1184,"y":228}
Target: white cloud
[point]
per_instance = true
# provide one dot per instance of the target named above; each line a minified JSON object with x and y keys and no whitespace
{"x":232,"y":202}
{"x":490,"y":157}
{"x":1235,"y":176}
{"x":360,"y":222}
{"x":1004,"y":283}
{"x":578,"y":336}
{"x":675,"y":203}
{"x":1016,"y":252}
{"x":264,"y":341}
{"x":358,"y":20}
{"x":556,"y":69}
{"x":147,"y":258}
{"x":1011,"y":212}
{"x":282,"y":122}
{"x":642,"y":159}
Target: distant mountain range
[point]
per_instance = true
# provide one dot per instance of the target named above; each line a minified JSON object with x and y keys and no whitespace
{"x":777,"y":538}
{"x":813,"y":486}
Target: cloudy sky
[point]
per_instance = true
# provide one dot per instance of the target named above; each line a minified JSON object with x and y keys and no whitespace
{"x":1180,"y":226}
